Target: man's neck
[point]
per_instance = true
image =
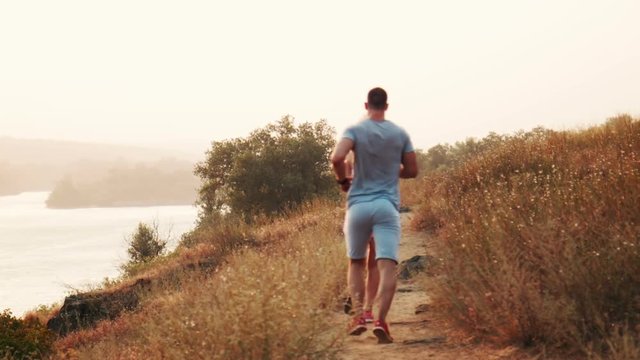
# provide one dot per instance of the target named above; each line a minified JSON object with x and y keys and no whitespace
{"x":376,"y":115}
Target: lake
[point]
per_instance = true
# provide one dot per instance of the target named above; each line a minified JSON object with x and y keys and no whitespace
{"x":46,"y":253}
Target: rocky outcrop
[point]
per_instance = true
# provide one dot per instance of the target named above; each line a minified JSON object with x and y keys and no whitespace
{"x":85,"y":310}
{"x":409,"y":268}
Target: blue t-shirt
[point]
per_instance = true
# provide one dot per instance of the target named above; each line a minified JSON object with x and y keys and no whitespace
{"x":378,"y":148}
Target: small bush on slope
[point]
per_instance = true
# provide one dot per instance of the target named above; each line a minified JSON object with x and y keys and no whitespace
{"x":23,"y":338}
{"x":540,"y":238}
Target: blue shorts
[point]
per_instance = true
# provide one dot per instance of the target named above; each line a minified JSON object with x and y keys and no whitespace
{"x":378,"y":217}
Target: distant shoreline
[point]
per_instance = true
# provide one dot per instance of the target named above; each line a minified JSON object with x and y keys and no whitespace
{"x":124,"y":204}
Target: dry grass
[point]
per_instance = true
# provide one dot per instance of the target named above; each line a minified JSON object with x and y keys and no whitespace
{"x":269,"y":301}
{"x":539,"y":238}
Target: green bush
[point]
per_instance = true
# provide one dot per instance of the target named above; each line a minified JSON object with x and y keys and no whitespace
{"x":273,"y":170}
{"x":23,"y":339}
{"x":145,"y":245}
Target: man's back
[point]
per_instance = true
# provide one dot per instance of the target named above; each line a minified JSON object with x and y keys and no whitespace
{"x":378,"y":148}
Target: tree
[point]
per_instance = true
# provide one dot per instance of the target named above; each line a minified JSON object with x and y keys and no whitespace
{"x":65,"y":195}
{"x":276,"y":168}
{"x":436,"y":157}
{"x":145,"y":243}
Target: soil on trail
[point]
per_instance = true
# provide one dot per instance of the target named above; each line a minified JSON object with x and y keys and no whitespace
{"x":418,"y":336}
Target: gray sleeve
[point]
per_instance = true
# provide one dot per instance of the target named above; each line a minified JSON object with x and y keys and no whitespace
{"x":349,"y":134}
{"x":408,"y":146}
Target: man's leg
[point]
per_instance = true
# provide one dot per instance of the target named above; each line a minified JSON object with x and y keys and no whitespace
{"x":386,"y":232}
{"x":357,"y":230}
{"x":355,"y":278}
{"x":387,"y":289}
{"x":373,"y":281}
{"x":356,"y":283}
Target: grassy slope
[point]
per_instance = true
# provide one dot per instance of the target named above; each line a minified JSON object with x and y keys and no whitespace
{"x":539,"y":239}
{"x":268,"y":300}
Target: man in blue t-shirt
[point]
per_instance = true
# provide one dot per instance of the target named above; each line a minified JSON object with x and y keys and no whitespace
{"x":383,"y":155}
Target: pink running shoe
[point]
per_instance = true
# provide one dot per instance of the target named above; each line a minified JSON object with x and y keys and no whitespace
{"x":357,"y":326}
{"x":381,"y":331}
{"x":367,"y":315}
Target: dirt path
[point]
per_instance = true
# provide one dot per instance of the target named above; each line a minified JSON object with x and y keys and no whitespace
{"x":418,"y":336}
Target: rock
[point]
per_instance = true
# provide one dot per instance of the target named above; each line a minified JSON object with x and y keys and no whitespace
{"x":405,"y":290}
{"x":85,"y":310}
{"x":422,"y":308}
{"x":206,"y":265}
{"x":426,"y":341}
{"x":82,"y":311}
{"x":347,"y":305}
{"x":409,"y":268}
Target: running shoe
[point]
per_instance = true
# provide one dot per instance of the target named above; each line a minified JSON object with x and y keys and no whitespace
{"x":381,"y":331}
{"x":357,"y":326}
{"x":367,"y":315}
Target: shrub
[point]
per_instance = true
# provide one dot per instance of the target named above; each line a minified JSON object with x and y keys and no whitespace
{"x":224,"y":232}
{"x":273,"y":170}
{"x":540,"y":236}
{"x":23,"y":338}
{"x":145,"y":245}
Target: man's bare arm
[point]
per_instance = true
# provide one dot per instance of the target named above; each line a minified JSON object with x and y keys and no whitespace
{"x":339,"y":155}
{"x":409,"y":168}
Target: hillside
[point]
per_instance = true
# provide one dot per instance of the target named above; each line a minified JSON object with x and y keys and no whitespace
{"x":539,"y":233}
{"x":64,"y":153}
{"x":531,"y":243}
{"x":38,"y":164}
{"x":118,"y":185}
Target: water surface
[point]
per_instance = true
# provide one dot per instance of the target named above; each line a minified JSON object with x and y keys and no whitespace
{"x":45,"y":253}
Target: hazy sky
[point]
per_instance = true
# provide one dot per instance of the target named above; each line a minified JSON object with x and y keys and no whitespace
{"x":183,"y":73}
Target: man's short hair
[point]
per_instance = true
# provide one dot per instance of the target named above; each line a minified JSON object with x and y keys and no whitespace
{"x":377,"y":98}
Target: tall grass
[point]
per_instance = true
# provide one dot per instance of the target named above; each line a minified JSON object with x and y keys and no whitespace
{"x":269,"y":301}
{"x":539,"y":238}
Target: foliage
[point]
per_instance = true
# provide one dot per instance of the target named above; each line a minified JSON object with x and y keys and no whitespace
{"x":276,"y":168}
{"x":444,"y":157}
{"x":224,"y":232}
{"x":43,"y":313}
{"x":539,"y":236}
{"x":23,"y":338}
{"x":145,"y":243}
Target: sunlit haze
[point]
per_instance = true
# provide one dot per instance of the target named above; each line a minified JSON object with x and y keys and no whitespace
{"x":179,"y":74}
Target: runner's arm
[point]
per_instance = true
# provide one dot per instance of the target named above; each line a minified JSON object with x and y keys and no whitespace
{"x":339,"y":155}
{"x":409,"y":166}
